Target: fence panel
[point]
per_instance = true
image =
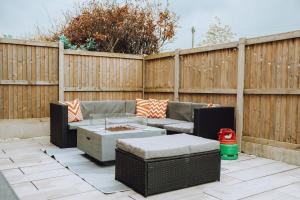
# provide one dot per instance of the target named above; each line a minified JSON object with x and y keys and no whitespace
{"x":28,"y":78}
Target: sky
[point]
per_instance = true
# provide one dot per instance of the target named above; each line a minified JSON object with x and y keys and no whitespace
{"x":248,"y":18}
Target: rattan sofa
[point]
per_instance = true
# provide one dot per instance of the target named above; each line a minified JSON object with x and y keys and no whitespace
{"x":180,"y":119}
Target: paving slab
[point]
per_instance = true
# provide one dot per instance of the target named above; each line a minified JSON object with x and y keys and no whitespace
{"x":261,"y":171}
{"x":60,"y":182}
{"x":273,"y":195}
{"x":241,"y":157}
{"x":38,"y":176}
{"x":245,"y":164}
{"x":90,"y":195}
{"x":12,"y":172}
{"x":25,"y":188}
{"x":54,"y":193}
{"x":251,"y":187}
{"x":41,"y":168}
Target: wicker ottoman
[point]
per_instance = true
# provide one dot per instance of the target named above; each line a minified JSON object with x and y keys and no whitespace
{"x":165,"y":163}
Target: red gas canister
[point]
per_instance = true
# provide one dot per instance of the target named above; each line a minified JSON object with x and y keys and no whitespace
{"x":227,"y":136}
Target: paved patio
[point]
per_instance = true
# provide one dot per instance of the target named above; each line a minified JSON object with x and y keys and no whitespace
{"x":34,"y":175}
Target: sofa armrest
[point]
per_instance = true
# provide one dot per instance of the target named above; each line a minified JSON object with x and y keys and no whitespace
{"x":208,"y":121}
{"x":58,"y":124}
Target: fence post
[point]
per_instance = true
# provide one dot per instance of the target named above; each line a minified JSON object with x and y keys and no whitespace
{"x":240,"y":91}
{"x":176,"y":75}
{"x":61,"y":86}
{"x":144,"y":75}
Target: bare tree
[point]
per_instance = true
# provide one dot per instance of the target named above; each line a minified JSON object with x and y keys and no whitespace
{"x":217,"y":34}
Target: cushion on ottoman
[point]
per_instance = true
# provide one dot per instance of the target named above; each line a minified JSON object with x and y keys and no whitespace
{"x":182,"y":127}
{"x":166,"y":146}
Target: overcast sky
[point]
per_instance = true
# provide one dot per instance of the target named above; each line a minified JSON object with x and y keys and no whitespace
{"x":247,"y":18}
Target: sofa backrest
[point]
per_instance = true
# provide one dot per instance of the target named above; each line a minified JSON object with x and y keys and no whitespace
{"x":130,"y":106}
{"x":101,"y":107}
{"x":175,"y":110}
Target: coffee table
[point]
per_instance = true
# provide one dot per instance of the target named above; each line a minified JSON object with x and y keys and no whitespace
{"x":100,"y":143}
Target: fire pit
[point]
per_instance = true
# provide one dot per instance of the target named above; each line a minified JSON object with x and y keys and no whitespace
{"x":120,"y":128}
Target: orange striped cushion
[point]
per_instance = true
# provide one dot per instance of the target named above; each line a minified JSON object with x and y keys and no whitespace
{"x":157,"y":108}
{"x":142,"y":107}
{"x":74,"y":111}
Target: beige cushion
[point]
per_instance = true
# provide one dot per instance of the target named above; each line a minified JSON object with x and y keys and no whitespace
{"x":187,"y":127}
{"x":166,"y":146}
{"x":85,"y":122}
{"x":160,"y":123}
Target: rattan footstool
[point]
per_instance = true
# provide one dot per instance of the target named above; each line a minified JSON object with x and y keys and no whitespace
{"x":164,"y":163}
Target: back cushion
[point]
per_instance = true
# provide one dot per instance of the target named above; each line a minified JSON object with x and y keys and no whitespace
{"x":87,"y":108}
{"x":101,"y":107}
{"x":107,"y":107}
{"x":130,"y":106}
{"x":179,"y":110}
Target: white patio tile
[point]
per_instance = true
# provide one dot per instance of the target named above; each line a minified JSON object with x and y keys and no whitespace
{"x":54,"y":193}
{"x":42,"y":168}
{"x":260,"y":171}
{"x":61,"y":182}
{"x":57,"y":187}
{"x":12,"y":172}
{"x":245,"y":164}
{"x":90,"y":195}
{"x":290,"y":192}
{"x":252,"y":187}
{"x":38,"y":176}
{"x":23,"y":189}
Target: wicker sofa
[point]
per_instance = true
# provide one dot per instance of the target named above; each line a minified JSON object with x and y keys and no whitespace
{"x":180,"y":119}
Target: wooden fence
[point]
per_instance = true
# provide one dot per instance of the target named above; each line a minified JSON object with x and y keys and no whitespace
{"x":97,"y":76}
{"x":33,"y":74}
{"x":28,"y":78}
{"x":259,"y":76}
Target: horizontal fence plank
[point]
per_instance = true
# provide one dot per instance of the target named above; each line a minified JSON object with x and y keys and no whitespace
{"x":29,"y":42}
{"x":208,"y":91}
{"x":160,"y":55}
{"x":103,"y":54}
{"x":274,"y":143}
{"x":209,"y":48}
{"x":275,"y":91}
{"x":159,"y":90}
{"x":26,"y":82}
{"x":273,"y":37}
{"x":90,"y":89}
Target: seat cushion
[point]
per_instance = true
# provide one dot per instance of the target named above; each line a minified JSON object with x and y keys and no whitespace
{"x":160,"y":123}
{"x":167,"y":145}
{"x":181,"y":128}
{"x":74,"y":125}
{"x":180,"y":110}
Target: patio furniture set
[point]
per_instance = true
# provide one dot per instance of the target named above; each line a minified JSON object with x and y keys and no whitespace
{"x":152,"y":155}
